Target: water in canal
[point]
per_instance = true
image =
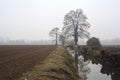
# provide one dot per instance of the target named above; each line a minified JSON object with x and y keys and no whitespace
{"x":102,"y":68}
{"x":93,"y":69}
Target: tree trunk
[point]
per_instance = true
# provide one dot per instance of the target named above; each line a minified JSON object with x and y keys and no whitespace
{"x":76,"y":33}
{"x":56,"y":38}
{"x":75,"y":40}
{"x":76,"y":37}
{"x":62,"y":42}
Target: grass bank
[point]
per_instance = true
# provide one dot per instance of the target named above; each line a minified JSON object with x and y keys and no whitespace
{"x":57,"y":66}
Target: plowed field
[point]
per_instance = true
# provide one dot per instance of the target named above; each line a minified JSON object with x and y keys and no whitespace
{"x":16,"y":60}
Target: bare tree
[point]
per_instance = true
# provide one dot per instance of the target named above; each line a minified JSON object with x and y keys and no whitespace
{"x":62,"y":39}
{"x":75,"y":25}
{"x":54,"y":33}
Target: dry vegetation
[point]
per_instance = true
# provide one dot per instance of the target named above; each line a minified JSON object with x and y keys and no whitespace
{"x":57,"y":66}
{"x":110,"y":50}
{"x":16,"y":60}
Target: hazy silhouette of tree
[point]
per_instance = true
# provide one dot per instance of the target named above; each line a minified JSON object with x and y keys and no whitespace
{"x":75,"y":25}
{"x":54,"y":33}
{"x":62,"y":39}
{"x":93,"y":42}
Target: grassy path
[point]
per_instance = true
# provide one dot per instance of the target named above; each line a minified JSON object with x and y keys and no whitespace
{"x":57,"y":66}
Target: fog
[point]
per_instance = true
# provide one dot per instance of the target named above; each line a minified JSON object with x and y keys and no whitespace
{"x":33,"y":19}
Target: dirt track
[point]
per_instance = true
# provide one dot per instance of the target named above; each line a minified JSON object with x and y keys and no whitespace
{"x":16,"y":60}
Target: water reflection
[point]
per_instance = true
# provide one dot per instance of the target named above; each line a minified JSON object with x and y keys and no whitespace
{"x":83,"y":68}
{"x":97,"y":68}
{"x":109,"y":67}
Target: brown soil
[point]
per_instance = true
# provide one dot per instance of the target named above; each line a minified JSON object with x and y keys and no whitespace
{"x":57,"y":66}
{"x":16,"y":60}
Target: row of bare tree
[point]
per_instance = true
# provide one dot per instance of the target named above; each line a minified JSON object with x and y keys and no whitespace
{"x":75,"y":27}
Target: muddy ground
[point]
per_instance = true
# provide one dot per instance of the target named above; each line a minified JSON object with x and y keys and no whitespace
{"x":16,"y":60}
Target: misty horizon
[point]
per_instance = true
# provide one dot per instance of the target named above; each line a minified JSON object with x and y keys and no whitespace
{"x":32,"y":20}
{"x":115,"y":41}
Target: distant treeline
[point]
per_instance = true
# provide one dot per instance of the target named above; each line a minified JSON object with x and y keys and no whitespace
{"x":115,"y":41}
{"x":51,"y":42}
{"x":23,"y":42}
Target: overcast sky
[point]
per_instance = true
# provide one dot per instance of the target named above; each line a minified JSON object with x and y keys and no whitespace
{"x":33,"y":19}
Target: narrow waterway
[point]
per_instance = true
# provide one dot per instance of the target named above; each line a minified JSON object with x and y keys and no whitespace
{"x":90,"y":71}
{"x":91,"y":68}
